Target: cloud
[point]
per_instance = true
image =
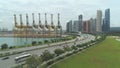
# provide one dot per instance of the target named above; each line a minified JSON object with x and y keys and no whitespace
{"x":69,"y":9}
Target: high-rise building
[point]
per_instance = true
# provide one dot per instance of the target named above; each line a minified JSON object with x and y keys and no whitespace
{"x":92,"y":25}
{"x":107,"y":21}
{"x":103,"y":26}
{"x":80,"y":20}
{"x":69,"y":26}
{"x":86,"y":26}
{"x":99,"y":21}
{"x":75,"y":26}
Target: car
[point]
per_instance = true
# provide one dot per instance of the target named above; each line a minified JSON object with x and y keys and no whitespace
{"x":4,"y":58}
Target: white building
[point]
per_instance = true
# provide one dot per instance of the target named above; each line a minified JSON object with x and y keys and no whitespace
{"x":99,"y":21}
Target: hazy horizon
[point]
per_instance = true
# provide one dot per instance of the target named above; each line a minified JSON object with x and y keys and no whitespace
{"x":69,"y":10}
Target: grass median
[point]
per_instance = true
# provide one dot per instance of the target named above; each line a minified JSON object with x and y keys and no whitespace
{"x":104,"y":55}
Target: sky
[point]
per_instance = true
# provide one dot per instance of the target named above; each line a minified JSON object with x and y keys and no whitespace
{"x":68,"y":9}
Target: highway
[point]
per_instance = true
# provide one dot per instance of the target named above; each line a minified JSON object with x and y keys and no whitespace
{"x":8,"y":63}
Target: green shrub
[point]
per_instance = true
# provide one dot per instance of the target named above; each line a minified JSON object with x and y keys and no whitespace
{"x":4,"y":46}
{"x":59,"y":51}
{"x":46,"y":41}
{"x":80,"y":49}
{"x":46,"y":55}
{"x":40,"y":42}
{"x":11,"y":47}
{"x":62,"y":57}
{"x":33,"y":61}
{"x":50,"y":62}
{"x":74,"y":47}
{"x":67,"y":48}
{"x":52,"y":40}
{"x":34,"y":43}
{"x":79,"y":45}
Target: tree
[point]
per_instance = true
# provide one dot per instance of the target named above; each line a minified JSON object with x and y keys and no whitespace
{"x":92,"y":41}
{"x":46,"y":41}
{"x":33,"y":61}
{"x":58,"y":51}
{"x":4,"y":46}
{"x":11,"y":47}
{"x":67,"y":48}
{"x":74,"y":47}
{"x":34,"y":43}
{"x":79,"y":45}
{"x":46,"y":55}
{"x":40,"y":42}
{"x":52,"y":40}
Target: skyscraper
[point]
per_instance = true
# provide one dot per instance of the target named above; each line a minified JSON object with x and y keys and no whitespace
{"x":69,"y":26}
{"x":91,"y":25}
{"x":94,"y":25}
{"x":103,"y":26}
{"x":80,"y":20}
{"x":86,"y":26}
{"x":99,"y":21}
{"x":107,"y":20}
{"x":75,"y":26}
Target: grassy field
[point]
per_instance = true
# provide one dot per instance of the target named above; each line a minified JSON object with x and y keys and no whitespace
{"x":105,"y":55}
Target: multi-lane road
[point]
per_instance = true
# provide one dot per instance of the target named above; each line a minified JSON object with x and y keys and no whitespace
{"x":8,"y":63}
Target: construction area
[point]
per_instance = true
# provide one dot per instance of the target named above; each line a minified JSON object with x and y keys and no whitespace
{"x":41,"y":30}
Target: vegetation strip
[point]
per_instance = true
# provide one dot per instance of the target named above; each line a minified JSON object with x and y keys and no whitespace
{"x":105,"y":55}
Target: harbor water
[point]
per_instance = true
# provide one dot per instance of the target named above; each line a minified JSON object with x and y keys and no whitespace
{"x":13,"y":41}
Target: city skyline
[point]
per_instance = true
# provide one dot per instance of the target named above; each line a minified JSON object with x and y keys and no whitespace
{"x":100,"y":24}
{"x":69,"y":9}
